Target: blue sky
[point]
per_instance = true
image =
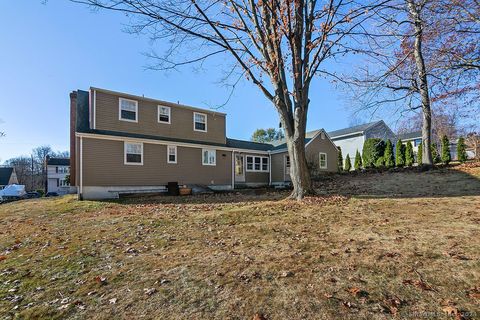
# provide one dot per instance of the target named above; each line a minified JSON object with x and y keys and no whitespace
{"x":49,"y":50}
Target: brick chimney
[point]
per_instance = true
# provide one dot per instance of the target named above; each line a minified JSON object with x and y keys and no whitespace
{"x":73,"y":116}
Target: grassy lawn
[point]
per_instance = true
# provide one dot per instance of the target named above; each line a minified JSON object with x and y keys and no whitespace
{"x":372,"y":246}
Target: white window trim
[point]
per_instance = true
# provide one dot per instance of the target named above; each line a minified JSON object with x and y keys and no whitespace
{"x":168,"y":154}
{"x":169,"y":114}
{"x":125,"y":154}
{"x":206,"y":126}
{"x":320,"y":162}
{"x":209,"y":164}
{"x":253,"y":168}
{"x":120,"y":110}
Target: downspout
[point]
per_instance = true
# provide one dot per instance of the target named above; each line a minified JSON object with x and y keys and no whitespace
{"x":81,"y":170}
{"x":269,"y":168}
{"x":233,"y":169}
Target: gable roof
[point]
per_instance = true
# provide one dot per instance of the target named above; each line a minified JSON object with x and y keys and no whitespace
{"x":351,"y":130}
{"x":58,"y":161}
{"x":410,"y":135}
{"x":5,"y":174}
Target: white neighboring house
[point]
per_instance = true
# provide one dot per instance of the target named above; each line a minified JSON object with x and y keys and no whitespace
{"x":416,"y":138}
{"x":57,"y":171}
{"x":352,"y":139}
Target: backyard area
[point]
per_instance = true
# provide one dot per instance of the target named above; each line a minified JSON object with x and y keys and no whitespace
{"x":370,"y":246}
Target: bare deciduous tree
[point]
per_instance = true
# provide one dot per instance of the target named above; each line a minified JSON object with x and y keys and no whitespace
{"x":410,"y":62}
{"x":279,"y":45}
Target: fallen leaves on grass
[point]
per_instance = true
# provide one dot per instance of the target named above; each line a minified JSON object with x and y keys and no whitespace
{"x":259,"y":316}
{"x":3,"y":258}
{"x":419,"y":284}
{"x":101,"y":280}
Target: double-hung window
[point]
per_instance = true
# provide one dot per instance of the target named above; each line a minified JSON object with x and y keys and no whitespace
{"x":209,"y":157}
{"x":133,"y":153}
{"x":323,"y":160}
{"x":163,"y":114}
{"x":255,"y":163}
{"x":128,"y":110}
{"x":171,"y":154}
{"x":199,"y":122}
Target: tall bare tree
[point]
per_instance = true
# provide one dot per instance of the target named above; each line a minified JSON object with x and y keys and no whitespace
{"x":278,"y":45}
{"x":410,"y":63}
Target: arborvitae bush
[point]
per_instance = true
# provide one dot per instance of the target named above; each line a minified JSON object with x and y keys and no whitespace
{"x":340,"y":159}
{"x":373,"y":148}
{"x":419,"y":154}
{"x":348,"y":163}
{"x":409,"y":157}
{"x":380,"y":163}
{"x":461,"y":150}
{"x":388,"y":155}
{"x":400,"y":154}
{"x":358,"y":161}
{"x":446,"y":157}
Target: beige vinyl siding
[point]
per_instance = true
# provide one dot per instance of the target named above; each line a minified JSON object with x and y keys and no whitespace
{"x":312,"y":153}
{"x":103,"y":165}
{"x":278,"y":167}
{"x":252,"y":176}
{"x":322,"y":145}
{"x":181,"y":120}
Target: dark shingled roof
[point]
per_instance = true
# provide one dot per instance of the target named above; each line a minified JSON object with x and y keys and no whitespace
{"x":58,"y":161}
{"x":410,"y":135}
{"x":354,"y":129}
{"x":284,"y":145}
{"x":5,"y":174}
{"x":242,"y":144}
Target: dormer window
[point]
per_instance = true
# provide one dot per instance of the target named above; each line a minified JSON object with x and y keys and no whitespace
{"x":163,"y":114}
{"x":199,"y":122}
{"x":128,"y":110}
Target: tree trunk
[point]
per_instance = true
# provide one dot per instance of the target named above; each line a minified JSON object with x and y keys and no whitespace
{"x":424,"y":89}
{"x":295,"y":137}
{"x":299,"y":173}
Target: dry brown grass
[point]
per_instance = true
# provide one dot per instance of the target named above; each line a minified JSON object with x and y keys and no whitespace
{"x":234,"y":256}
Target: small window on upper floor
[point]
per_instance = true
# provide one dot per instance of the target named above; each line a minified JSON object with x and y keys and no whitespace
{"x":164,"y":114}
{"x":128,"y":110}
{"x":199,"y":122}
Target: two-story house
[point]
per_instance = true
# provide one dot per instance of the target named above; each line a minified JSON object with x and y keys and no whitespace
{"x":122,"y":143}
{"x":58,"y":173}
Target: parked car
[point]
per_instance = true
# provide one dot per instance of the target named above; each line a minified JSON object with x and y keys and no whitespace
{"x":51,"y":194}
{"x":32,"y":194}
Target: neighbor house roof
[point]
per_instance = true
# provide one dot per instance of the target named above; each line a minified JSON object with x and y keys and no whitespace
{"x":58,"y":161}
{"x":5,"y":174}
{"x":410,"y":135}
{"x":351,"y":130}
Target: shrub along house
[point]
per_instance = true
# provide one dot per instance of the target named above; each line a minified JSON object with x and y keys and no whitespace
{"x":121,"y":143}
